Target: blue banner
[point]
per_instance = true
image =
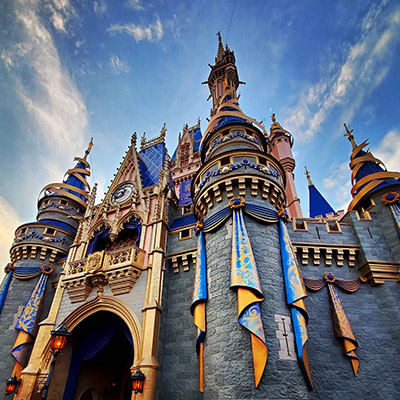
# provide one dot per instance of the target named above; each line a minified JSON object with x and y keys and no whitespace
{"x":184,"y":193}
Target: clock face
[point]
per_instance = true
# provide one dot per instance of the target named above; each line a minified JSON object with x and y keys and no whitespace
{"x":122,"y":193}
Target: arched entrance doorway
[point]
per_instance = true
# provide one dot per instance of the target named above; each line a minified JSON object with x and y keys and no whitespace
{"x":101,"y":358}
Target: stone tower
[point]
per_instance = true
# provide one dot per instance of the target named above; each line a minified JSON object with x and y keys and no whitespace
{"x":281,"y":143}
{"x":37,"y":254}
{"x":237,"y":194}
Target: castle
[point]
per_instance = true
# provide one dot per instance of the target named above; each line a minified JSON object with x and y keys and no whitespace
{"x":199,"y":271}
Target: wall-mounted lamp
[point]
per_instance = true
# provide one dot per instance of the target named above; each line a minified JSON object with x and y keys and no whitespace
{"x":58,"y":341}
{"x":12,"y":384}
{"x":138,"y":379}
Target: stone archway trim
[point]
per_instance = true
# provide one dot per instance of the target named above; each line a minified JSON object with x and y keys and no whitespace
{"x":110,"y":304}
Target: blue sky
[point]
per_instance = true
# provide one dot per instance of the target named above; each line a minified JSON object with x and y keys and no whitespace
{"x":70,"y":70}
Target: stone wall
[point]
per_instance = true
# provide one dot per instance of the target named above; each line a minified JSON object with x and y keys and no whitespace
{"x":178,"y":374}
{"x":18,"y":295}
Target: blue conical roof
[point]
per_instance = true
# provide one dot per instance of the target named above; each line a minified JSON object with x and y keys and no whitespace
{"x":318,"y":204}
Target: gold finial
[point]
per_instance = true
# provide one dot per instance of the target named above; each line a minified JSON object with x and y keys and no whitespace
{"x":143,"y":141}
{"x":133,"y":139}
{"x":350,"y":136}
{"x":87,"y":151}
{"x":163,"y":131}
{"x":307,"y":174}
{"x":273,"y":118}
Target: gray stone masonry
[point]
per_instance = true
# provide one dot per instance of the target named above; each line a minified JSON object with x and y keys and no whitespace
{"x":228,"y":356}
{"x":18,"y":295}
{"x":387,"y":224}
{"x":177,"y":377}
{"x":373,"y":313}
{"x":370,"y":237}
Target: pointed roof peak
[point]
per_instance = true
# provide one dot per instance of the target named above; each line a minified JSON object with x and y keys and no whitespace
{"x":350,"y":136}
{"x":221,"y":51}
{"x":307,"y":174}
{"x":277,"y":130}
{"x":87,"y":151}
{"x":318,"y":203}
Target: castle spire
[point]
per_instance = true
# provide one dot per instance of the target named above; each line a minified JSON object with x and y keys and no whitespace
{"x":368,"y":173}
{"x":307,"y":174}
{"x":222,"y":75}
{"x":318,"y":204}
{"x":281,"y":142}
{"x":74,"y":186}
{"x":221,"y":51}
{"x":87,"y":151}
{"x":350,"y":136}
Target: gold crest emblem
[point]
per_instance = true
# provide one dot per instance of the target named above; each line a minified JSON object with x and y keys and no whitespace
{"x":94,"y":262}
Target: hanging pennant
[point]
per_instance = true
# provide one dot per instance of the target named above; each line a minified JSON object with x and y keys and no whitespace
{"x":244,"y":277}
{"x":199,"y":298}
{"x":295,"y":294}
{"x":27,"y":323}
{"x":341,"y":324}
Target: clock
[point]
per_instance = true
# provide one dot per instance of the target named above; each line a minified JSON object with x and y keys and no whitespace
{"x":122,"y":193}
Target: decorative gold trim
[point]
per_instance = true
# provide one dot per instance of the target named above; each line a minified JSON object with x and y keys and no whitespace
{"x":379,"y":271}
{"x":392,"y":201}
{"x":94,"y":262}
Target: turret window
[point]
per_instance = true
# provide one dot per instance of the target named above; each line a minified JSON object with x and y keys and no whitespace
{"x":50,"y":231}
{"x":22,"y":231}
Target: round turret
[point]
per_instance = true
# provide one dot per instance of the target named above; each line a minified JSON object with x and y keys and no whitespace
{"x":60,"y":206}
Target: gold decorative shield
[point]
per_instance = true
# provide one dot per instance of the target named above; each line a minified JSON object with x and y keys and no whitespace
{"x":94,"y":262}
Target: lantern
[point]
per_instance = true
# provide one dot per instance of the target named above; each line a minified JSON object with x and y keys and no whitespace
{"x":138,"y":381}
{"x":12,"y":384}
{"x":59,"y":339}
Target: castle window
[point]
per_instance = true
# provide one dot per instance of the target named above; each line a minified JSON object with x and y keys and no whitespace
{"x":22,"y":231}
{"x":184,"y":156}
{"x":186,"y":210}
{"x":185,"y":234}
{"x":50,"y":231}
{"x":225,"y":161}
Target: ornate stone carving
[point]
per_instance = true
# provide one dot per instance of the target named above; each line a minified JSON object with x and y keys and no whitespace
{"x":119,"y":268}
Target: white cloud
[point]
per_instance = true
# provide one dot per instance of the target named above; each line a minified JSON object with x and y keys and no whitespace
{"x":118,"y":66}
{"x":80,"y":43}
{"x":61,"y":11}
{"x":100,"y":8}
{"x":364,"y":68}
{"x":57,"y":115}
{"x":9,"y":221}
{"x":388,"y":150}
{"x":134,"y":5}
{"x":152,"y":32}
{"x":8,"y":62}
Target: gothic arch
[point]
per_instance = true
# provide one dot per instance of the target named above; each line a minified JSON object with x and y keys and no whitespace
{"x":98,"y":226}
{"x":127,"y":217}
{"x":113,"y":305}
